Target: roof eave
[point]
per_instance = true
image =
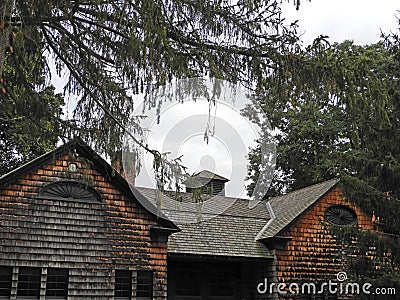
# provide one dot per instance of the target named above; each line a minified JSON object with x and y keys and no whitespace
{"x":275,"y":242}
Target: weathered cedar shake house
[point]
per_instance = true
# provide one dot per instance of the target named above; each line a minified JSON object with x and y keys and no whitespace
{"x":72,"y":228}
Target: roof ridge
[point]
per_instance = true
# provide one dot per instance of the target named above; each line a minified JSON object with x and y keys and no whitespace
{"x":208,"y":172}
{"x":336,"y":180}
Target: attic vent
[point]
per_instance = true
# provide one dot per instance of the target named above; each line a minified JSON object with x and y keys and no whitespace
{"x":214,"y":187}
{"x":340,"y":215}
{"x":69,"y":190}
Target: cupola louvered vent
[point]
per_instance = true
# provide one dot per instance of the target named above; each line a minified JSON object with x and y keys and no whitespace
{"x":210,"y":183}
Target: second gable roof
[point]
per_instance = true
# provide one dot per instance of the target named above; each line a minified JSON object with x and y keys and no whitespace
{"x":100,"y":165}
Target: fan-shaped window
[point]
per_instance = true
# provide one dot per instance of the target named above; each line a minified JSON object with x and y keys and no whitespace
{"x":340,"y":215}
{"x":69,"y":190}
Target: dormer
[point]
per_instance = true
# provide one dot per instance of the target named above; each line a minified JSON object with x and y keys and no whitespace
{"x":210,"y":183}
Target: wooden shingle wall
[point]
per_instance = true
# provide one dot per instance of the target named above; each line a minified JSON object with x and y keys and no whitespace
{"x":313,"y":254}
{"x":91,"y":240}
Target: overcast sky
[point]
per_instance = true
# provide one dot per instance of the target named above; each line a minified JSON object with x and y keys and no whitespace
{"x":180,"y":132}
{"x":358,"y":20}
{"x":361,"y":21}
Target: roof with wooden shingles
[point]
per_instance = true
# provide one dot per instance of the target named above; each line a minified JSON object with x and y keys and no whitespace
{"x":289,"y":207}
{"x":224,"y":226}
{"x":228,"y":226}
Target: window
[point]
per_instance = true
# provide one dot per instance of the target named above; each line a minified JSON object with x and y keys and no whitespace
{"x":5,"y":282}
{"x":144,"y":285}
{"x":57,"y":283}
{"x":340,"y":215}
{"x":123,"y":284}
{"x":28,"y":282}
{"x":69,"y":190}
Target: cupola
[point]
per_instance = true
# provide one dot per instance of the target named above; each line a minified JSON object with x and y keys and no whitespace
{"x":209,"y":182}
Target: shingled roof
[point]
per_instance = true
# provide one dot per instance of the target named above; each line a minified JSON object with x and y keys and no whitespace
{"x":210,"y":175}
{"x":228,"y":226}
{"x":290,"y":206}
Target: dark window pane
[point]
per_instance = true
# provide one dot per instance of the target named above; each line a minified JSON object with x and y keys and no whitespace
{"x":28,"y":282}
{"x":57,"y":283}
{"x":5,"y":281}
{"x":123,"y":284}
{"x":144,"y":284}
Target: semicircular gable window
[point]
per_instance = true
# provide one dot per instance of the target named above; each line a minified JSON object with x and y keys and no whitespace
{"x":69,"y":190}
{"x":340,"y":215}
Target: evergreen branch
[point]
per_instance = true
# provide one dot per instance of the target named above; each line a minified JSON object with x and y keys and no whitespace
{"x":79,"y":44}
{"x":78,"y":77}
{"x":248,"y":52}
{"x":107,"y":28}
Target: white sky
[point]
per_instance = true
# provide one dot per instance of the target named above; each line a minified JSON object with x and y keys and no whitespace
{"x":361,"y":21}
{"x":358,"y":20}
{"x":181,"y":133}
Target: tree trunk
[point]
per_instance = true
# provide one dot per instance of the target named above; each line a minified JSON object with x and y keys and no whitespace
{"x":5,"y":13}
{"x":4,"y":46}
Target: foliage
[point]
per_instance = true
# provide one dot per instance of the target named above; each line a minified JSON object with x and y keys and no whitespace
{"x":342,"y":121}
{"x":113,"y":49}
{"x":31,"y":113}
{"x":370,"y":257}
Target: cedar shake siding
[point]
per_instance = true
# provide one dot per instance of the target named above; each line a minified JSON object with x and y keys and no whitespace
{"x":89,"y":238}
{"x":312,"y":254}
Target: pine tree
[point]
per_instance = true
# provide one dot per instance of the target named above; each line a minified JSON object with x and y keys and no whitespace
{"x":113,"y":49}
{"x":31,"y":116}
{"x":343,"y":121}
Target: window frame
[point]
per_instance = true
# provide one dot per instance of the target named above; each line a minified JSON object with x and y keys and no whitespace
{"x":331,"y":210}
{"x":29,"y":286}
{"x":61,"y":287}
{"x":70,"y":191}
{"x":141,"y":292}
{"x":118,"y":275}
